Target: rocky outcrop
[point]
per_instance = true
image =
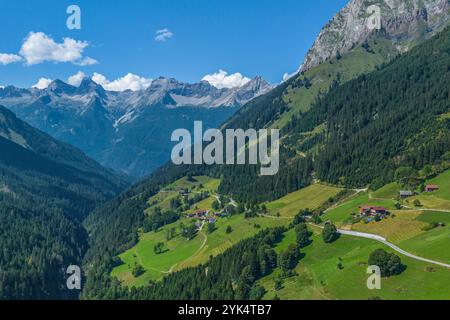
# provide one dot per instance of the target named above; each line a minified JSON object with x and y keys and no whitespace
{"x":405,"y":22}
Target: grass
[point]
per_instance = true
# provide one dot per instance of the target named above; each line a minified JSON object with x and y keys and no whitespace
{"x":200,"y":184}
{"x":443,"y":181}
{"x":430,"y":201}
{"x":389,"y":191}
{"x":319,"y":278}
{"x":182,"y":253}
{"x":401,"y":225}
{"x":350,"y":66}
{"x":218,"y":241}
{"x":432,"y":244}
{"x":342,"y":213}
{"x":310,"y":197}
{"x":178,"y":249}
{"x":439,"y":199}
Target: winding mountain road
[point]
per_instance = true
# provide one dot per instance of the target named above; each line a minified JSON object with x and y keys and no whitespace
{"x":392,"y":246}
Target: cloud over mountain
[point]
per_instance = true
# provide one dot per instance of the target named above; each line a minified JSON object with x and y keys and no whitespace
{"x":222,"y":80}
{"x":42,"y":83}
{"x":128,"y":82}
{"x":76,"y":79}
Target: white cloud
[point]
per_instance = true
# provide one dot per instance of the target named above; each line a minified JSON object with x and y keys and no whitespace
{"x":221,"y":80}
{"x":9,"y":58}
{"x":287,"y":76}
{"x":88,"y":61}
{"x":42,"y":83}
{"x":128,"y":82}
{"x":38,"y":48}
{"x":76,"y":79}
{"x":2,"y":87}
{"x":163,"y":34}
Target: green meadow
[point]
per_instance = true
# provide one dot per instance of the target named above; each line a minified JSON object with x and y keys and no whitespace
{"x":181,"y":253}
{"x":341,"y":214}
{"x":320,"y":278}
{"x":310,"y":197}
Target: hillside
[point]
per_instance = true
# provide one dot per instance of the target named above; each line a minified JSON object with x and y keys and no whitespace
{"x":46,"y":189}
{"x":345,"y":49}
{"x":361,"y":132}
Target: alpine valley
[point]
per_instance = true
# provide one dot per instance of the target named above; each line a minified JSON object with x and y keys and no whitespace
{"x":364,"y":177}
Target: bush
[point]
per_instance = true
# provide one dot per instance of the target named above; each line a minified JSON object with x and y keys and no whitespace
{"x":330,"y":233}
{"x":303,"y":235}
{"x":288,"y":259}
{"x":138,"y":270}
{"x":211,"y":227}
{"x":389,"y":263}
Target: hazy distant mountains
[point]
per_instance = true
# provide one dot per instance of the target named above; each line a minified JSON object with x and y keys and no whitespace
{"x":128,"y":131}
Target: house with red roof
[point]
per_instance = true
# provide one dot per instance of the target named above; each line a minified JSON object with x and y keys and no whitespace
{"x":372,"y":211}
{"x":431,"y":188}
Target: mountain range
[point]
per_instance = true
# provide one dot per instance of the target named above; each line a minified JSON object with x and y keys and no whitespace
{"x":124,"y":130}
{"x":367,"y":107}
{"x":353,"y":117}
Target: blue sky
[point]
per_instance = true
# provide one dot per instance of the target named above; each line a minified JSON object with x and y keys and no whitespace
{"x":252,"y":37}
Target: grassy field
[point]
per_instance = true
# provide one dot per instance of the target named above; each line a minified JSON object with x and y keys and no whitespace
{"x":401,"y":225}
{"x":340,"y":215}
{"x":200,"y":184}
{"x":156,"y":265}
{"x":433,"y":244}
{"x":182,"y":253}
{"x":318,"y":275}
{"x":320,"y":278}
{"x":310,"y":197}
{"x":435,"y":200}
{"x":218,"y":241}
{"x":389,"y":191}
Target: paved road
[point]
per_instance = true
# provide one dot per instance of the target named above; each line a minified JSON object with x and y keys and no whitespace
{"x":426,"y":209}
{"x":394,"y":247}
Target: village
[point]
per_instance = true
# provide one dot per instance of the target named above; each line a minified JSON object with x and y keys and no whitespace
{"x":377,"y":213}
{"x":205,"y":216}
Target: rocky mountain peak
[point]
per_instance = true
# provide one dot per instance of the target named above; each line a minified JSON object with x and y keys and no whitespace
{"x":402,"y":21}
{"x":59,"y":87}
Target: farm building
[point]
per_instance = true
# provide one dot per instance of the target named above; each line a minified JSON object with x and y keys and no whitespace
{"x":406,"y":193}
{"x":431,"y":188}
{"x":201,"y":214}
{"x":372,"y":211}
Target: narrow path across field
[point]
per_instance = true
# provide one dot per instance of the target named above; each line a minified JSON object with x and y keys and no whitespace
{"x":196,"y":252}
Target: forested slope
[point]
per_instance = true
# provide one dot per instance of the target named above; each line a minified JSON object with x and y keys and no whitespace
{"x":357,"y":134}
{"x":46,"y":189}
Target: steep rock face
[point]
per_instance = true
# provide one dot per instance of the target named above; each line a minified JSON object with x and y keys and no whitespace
{"x":403,"y":21}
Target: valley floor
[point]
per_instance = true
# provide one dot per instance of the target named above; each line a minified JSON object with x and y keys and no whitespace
{"x":317,"y":274}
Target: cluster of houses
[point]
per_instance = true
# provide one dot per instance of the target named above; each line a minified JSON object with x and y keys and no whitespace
{"x":373,"y":211}
{"x":381,"y":212}
{"x":428,"y":188}
{"x":206,"y":215}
